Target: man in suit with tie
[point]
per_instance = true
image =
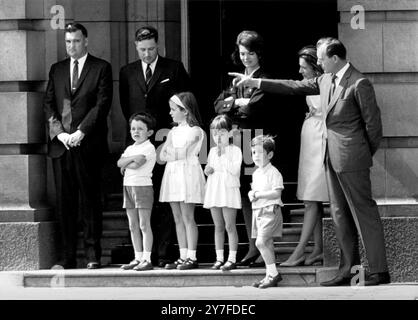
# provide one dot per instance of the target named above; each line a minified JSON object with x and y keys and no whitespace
{"x":146,"y":85}
{"x":353,"y":133}
{"x":76,"y":104}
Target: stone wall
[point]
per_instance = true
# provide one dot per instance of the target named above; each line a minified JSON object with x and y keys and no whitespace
{"x":32,"y":40}
{"x":386,"y":51}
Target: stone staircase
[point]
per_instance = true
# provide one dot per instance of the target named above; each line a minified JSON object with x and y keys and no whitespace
{"x":117,"y":248}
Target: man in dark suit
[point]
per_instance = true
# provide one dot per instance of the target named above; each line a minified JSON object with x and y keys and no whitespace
{"x":146,"y":85}
{"x":76,"y":104}
{"x":354,"y":131}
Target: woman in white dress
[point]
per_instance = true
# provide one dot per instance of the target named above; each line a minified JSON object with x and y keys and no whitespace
{"x":312,"y":187}
{"x":183,"y":183}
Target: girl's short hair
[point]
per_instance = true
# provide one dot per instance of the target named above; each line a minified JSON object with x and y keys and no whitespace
{"x":188,"y":103}
{"x":266,"y":141}
{"x":145,"y":117}
{"x":221,"y":121}
{"x":252,"y":41}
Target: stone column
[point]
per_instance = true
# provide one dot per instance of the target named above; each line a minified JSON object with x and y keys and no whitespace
{"x":26,"y":220}
{"x":386,"y":51}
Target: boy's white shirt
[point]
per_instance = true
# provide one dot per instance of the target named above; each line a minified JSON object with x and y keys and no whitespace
{"x":142,"y":175}
{"x":266,"y":179}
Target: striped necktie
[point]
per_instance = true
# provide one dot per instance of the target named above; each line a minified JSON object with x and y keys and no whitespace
{"x":148,"y":74}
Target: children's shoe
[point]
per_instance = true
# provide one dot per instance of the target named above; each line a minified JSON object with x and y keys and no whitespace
{"x":270,"y":281}
{"x":144,"y":266}
{"x":217,"y":265}
{"x":258,"y":283}
{"x":228,"y":266}
{"x":130,"y":265}
{"x":174,"y":265}
{"x":188,"y":264}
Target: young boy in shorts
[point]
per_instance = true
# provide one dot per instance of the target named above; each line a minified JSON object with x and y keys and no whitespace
{"x":136,"y":165}
{"x":265,"y":197}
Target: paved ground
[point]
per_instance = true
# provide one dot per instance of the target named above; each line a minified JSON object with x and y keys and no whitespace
{"x":384,"y":292}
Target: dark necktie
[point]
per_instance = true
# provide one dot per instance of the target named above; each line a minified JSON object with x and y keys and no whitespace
{"x":75,"y":76}
{"x":332,"y":88}
{"x":148,"y":74}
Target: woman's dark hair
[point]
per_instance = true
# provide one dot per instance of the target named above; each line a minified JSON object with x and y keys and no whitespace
{"x":308,"y":53}
{"x":74,"y":27}
{"x":252,"y":41}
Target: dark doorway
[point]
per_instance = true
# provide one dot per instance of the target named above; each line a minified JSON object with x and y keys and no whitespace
{"x":286,"y":26}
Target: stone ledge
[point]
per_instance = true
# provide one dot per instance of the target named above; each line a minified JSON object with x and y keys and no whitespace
{"x":401,"y":238}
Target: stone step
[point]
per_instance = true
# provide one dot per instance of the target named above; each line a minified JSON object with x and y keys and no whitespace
{"x":113,"y":276}
{"x":114,"y":220}
{"x":297,"y":214}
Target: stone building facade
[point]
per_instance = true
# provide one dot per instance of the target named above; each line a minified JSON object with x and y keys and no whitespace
{"x":386,"y":50}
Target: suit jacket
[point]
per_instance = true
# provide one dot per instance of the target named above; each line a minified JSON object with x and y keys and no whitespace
{"x":169,"y":77}
{"x":352,"y":117}
{"x":252,"y":116}
{"x":85,"y":109}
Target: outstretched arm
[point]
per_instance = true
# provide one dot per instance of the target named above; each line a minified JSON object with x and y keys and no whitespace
{"x":286,"y":87}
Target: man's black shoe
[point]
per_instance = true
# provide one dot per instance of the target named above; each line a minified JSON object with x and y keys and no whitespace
{"x":375,"y":279}
{"x":337,"y":281}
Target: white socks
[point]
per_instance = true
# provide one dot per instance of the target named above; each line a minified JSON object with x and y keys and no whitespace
{"x":146,"y":256}
{"x":220,"y":255}
{"x":271,"y":270}
{"x":232,"y":256}
{"x":138,"y":255}
{"x":191,"y":254}
{"x":183,"y":253}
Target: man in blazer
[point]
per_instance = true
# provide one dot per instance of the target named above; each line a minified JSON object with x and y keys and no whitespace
{"x":146,"y":85}
{"x":353,"y":133}
{"x":76,"y":105}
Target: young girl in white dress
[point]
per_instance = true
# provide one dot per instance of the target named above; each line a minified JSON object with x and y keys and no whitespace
{"x":183,"y":183}
{"x":222,"y":195}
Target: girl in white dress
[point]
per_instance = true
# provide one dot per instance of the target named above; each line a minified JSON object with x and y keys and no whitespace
{"x":223,"y":196}
{"x":183,"y":183}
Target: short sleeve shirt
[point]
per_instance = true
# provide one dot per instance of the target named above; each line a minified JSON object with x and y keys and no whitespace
{"x":266,"y":179}
{"x":142,"y":175}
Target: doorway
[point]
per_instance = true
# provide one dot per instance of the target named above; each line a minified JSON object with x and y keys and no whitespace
{"x":286,"y":27}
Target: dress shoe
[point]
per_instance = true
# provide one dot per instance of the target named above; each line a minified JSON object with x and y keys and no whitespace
{"x":144,"y":266}
{"x":375,"y":279}
{"x":66,"y":265}
{"x":162,"y":262}
{"x":217,"y":265}
{"x":188,"y":264}
{"x":130,"y":265}
{"x":298,"y":262}
{"x":94,"y":265}
{"x":246,"y":261}
{"x":255,"y":264}
{"x":228,"y":266}
{"x":257,"y":283}
{"x":270,"y":281}
{"x":337,"y":281}
{"x":173,"y":265}
{"x":317,"y":259}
